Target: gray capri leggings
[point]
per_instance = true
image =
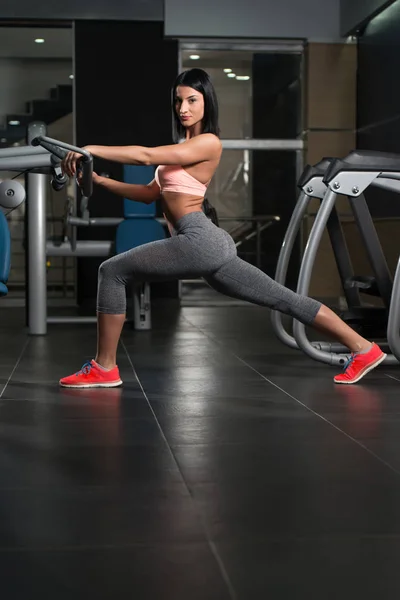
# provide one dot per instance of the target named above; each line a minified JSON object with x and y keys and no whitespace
{"x":197,"y":248}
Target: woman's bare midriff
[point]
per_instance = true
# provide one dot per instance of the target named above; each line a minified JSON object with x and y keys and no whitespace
{"x":176,"y":206}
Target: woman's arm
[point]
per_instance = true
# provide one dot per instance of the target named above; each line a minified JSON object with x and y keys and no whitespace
{"x":198,"y":149}
{"x":141,"y":193}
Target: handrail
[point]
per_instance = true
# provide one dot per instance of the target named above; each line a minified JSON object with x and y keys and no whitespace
{"x":252,"y":144}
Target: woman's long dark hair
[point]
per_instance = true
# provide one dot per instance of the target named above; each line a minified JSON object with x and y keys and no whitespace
{"x":200,"y":81}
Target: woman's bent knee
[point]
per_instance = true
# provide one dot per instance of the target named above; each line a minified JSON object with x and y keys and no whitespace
{"x":109,"y":271}
{"x":106,"y":269}
{"x":111,"y":295}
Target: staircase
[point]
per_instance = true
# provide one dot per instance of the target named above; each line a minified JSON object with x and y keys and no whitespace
{"x":48,"y":110}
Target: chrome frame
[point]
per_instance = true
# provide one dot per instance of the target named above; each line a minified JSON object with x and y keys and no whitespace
{"x":351,"y":184}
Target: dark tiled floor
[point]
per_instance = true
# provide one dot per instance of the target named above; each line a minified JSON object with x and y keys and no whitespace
{"x":227,"y":467}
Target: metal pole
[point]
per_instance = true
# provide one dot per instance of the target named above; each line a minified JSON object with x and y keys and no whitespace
{"x":72,"y":320}
{"x":373,"y":248}
{"x":90,"y":248}
{"x":258,"y":246}
{"x":394,"y":317}
{"x":310,"y":254}
{"x":300,"y":160}
{"x":36,"y":207}
{"x":283,"y":263}
{"x":19,"y":151}
{"x":30,"y":161}
{"x":342,"y":258}
{"x":141,"y":306}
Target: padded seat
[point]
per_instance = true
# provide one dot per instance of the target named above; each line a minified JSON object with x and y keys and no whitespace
{"x":364,"y":160}
{"x":5,"y":254}
{"x":139,"y":225}
{"x":135,"y":232}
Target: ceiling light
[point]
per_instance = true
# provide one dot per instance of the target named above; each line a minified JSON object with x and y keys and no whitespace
{"x":227,"y":70}
{"x":194,"y":56}
{"x":13,"y":122}
{"x":39,"y":40}
{"x":243,"y":77}
{"x":71,"y":76}
{"x":231,"y":75}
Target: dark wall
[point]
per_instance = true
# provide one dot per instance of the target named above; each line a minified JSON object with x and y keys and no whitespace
{"x":378,"y":98}
{"x":277,"y":105}
{"x":283,"y":19}
{"x":123,"y":75}
{"x":134,"y":10}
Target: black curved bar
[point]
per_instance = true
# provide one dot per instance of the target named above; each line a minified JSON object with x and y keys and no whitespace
{"x":58,"y":148}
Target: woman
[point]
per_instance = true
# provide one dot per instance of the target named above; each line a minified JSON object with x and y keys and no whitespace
{"x":196,"y":248}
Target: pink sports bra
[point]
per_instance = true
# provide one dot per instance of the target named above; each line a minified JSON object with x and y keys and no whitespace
{"x":174,"y":178}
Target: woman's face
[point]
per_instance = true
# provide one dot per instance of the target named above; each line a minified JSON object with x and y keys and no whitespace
{"x":189,"y":106}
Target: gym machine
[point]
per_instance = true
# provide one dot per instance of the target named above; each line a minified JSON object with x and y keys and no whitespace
{"x":327,"y":181}
{"x":12,"y":194}
{"x":41,"y":159}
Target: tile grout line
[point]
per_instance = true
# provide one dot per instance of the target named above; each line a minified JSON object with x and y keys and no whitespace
{"x":76,"y":548}
{"x":381,"y":460}
{"x":15,"y":367}
{"x":211,"y":544}
{"x":378,"y":458}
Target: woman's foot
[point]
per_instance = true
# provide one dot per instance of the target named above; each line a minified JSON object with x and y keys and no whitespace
{"x":360,"y":364}
{"x":92,"y":375}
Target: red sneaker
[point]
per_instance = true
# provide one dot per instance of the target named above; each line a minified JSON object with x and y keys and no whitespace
{"x":360,"y":364}
{"x":91,"y":376}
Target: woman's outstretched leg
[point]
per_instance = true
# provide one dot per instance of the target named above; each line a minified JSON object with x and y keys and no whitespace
{"x":242,"y":280}
{"x":329,"y":323}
